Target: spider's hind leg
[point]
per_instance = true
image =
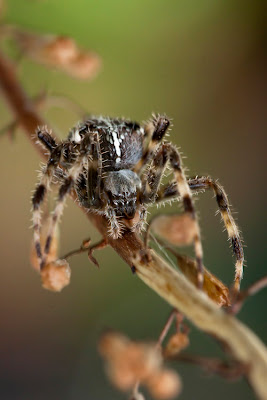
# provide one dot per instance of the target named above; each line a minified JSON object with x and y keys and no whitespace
{"x":229,"y":222}
{"x":151,"y":183}
{"x":170,"y":192}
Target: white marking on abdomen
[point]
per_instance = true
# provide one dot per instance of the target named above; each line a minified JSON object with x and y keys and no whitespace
{"x":116,"y":144}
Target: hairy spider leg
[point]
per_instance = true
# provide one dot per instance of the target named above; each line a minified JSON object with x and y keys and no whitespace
{"x":72,"y":156}
{"x":94,"y":177}
{"x":155,"y":129}
{"x":64,"y":190}
{"x":170,"y":191}
{"x":44,"y":184}
{"x":151,"y":182}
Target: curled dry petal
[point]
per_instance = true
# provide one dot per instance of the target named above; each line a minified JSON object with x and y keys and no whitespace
{"x":214,"y":288}
{"x":178,"y":230}
{"x":56,"y":275}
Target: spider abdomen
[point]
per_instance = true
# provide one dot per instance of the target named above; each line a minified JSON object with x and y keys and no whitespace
{"x":121,"y":141}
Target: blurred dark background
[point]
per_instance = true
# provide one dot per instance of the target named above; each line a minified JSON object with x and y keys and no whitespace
{"x":202,"y":63}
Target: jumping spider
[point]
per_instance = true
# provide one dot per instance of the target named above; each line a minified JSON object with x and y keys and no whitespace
{"x":104,"y":161}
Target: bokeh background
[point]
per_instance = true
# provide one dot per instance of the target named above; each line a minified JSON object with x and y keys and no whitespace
{"x":201,"y":62}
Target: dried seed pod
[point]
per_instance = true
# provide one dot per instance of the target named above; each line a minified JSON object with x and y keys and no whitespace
{"x":128,"y":361}
{"x":83,"y":66}
{"x":178,"y":230}
{"x":176,"y":343}
{"x":142,"y":359}
{"x":60,"y":52}
{"x":57,"y":50}
{"x":164,"y":385}
{"x":124,"y":380}
{"x":56,"y":275}
{"x":112,"y":343}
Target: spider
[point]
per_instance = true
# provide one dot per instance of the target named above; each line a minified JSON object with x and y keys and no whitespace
{"x":115,"y":167}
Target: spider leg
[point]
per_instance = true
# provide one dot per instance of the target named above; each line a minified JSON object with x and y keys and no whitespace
{"x":151,"y":182}
{"x":64,"y":190}
{"x":202,"y":183}
{"x":94,"y":177}
{"x":155,"y":129}
{"x":115,"y":226}
{"x":44,"y":184}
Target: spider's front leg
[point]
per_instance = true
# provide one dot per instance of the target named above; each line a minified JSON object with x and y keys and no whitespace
{"x":44,"y":184}
{"x":64,"y":190}
{"x":151,"y":182}
{"x":202,"y":183}
{"x":155,"y":129}
{"x":67,"y":154}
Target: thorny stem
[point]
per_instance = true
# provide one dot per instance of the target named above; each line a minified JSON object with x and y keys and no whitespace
{"x":90,"y":249}
{"x":170,"y":284}
{"x":84,"y":247}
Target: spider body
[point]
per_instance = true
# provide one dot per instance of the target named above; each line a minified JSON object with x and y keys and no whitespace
{"x":118,"y":146}
{"x":115,"y":167}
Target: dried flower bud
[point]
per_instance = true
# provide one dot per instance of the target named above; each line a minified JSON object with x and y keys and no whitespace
{"x":56,"y":275}
{"x":176,"y":343}
{"x":112,"y":343}
{"x":60,"y":52}
{"x":128,"y":361}
{"x":176,"y":229}
{"x":83,"y":66}
{"x":165,"y":385}
{"x":142,"y":359}
{"x":123,"y":380}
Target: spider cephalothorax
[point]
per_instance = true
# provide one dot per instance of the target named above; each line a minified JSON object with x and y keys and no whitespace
{"x":116,"y":167}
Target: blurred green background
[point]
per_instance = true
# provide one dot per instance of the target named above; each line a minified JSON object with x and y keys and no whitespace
{"x":201,"y":62}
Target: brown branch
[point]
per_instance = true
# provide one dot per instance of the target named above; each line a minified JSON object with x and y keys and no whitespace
{"x":250,"y":291}
{"x":170,"y":284}
{"x":231,"y":370}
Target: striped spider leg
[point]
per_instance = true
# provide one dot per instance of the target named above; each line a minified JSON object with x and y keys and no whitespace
{"x":69,"y":156}
{"x":162,"y":153}
{"x":171,"y":191}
